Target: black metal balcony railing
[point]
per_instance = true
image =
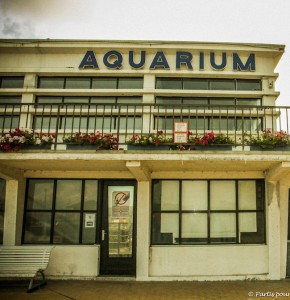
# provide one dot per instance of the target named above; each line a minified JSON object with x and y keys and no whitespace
{"x":124,"y":120}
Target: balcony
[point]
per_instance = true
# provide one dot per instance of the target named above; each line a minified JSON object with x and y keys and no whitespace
{"x":123,"y":120}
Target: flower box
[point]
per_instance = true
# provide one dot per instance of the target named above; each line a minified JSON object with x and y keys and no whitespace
{"x":139,"y":147}
{"x":275,"y":148}
{"x":213,"y":148}
{"x":36,"y":147}
{"x":80,"y":147}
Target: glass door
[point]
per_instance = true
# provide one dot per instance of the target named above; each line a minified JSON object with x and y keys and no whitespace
{"x":118,"y":243}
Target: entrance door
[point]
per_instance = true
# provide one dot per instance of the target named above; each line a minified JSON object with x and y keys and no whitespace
{"x":118,"y":242}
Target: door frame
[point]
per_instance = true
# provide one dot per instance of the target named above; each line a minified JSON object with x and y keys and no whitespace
{"x":121,"y":265}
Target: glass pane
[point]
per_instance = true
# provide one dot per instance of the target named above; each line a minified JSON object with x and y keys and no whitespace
{"x":76,"y":122}
{"x":168,"y":100}
{"x":249,"y":102}
{"x":169,"y":224}
{"x":12,"y":82}
{"x":120,"y":220}
{"x":10,"y":99}
{"x":248,"y":222}
{"x":103,"y":100}
{"x":91,"y":194}
{"x":198,"y":124}
{"x":40,"y":194}
{"x":221,"y":124}
{"x":133,"y":100}
{"x":68,"y":194}
{"x":130,"y":83}
{"x":76,"y":100}
{"x":51,"y":82}
{"x":66,"y":228}
{"x":37,"y":227}
{"x":195,"y":101}
{"x":222,"y":195}
{"x":247,"y":194}
{"x":223,"y":227}
{"x":1,"y":226}
{"x":77,"y":83}
{"x":195,"y":84}
{"x":104,"y":83}
{"x":100,"y":123}
{"x":194,"y":228}
{"x":89,"y":228}
{"x":49,"y":100}
{"x":45,"y":123}
{"x":130,"y":123}
{"x":194,"y":195}
{"x":248,"y":85}
{"x":170,"y":195}
{"x":9,"y":122}
{"x":219,"y":101}
{"x":252,"y":228}
{"x":249,"y":124}
{"x":222,"y":84}
{"x":2,"y":193}
{"x":169,"y":83}
{"x":165,"y":123}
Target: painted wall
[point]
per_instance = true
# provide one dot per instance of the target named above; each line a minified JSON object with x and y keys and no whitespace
{"x":74,"y":261}
{"x":209,"y":261}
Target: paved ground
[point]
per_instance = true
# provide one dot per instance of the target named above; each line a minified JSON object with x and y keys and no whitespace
{"x":131,"y":290}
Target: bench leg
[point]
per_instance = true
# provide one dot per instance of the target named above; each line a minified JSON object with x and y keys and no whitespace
{"x":43,"y":282}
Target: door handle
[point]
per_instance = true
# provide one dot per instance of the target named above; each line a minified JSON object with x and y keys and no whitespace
{"x":103,"y":234}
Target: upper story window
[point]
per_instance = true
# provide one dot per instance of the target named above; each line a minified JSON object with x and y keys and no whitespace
{"x":209,"y":101}
{"x":90,"y":82}
{"x":11,"y":82}
{"x":208,"y":84}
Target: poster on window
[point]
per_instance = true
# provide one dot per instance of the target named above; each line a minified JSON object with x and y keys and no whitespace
{"x":121,"y":204}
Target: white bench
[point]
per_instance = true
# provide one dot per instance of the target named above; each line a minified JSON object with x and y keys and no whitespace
{"x":25,"y":262}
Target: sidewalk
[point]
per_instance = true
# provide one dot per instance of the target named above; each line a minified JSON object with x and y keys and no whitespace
{"x":132,"y":290}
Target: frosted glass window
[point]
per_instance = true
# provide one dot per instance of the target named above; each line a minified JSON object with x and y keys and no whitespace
{"x":78,"y":83}
{"x":169,"y":224}
{"x":68,"y":194}
{"x":66,"y":228}
{"x":40,"y":194}
{"x":12,"y":82}
{"x":222,"y":225}
{"x":222,"y":195}
{"x":194,"y":195}
{"x":130,"y":83}
{"x":247,"y":194}
{"x":51,"y":82}
{"x":104,"y":83}
{"x":248,"y":222}
{"x":194,"y":225}
{"x":91,"y":194}
{"x":170,"y":195}
{"x":37,"y":227}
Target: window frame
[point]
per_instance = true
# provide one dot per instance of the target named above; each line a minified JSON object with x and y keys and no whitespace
{"x":261,"y":211}
{"x":210,"y":81}
{"x":54,"y":211}
{"x":90,"y":79}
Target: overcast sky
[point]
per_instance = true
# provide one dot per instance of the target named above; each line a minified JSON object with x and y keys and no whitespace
{"x":255,"y":21}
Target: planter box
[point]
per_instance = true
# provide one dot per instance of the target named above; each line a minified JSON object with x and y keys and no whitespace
{"x":214,"y":148}
{"x":36,"y":147}
{"x":80,"y":147}
{"x":148,"y":147}
{"x":281,"y":148}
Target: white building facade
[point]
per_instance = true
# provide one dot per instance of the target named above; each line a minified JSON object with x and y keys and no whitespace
{"x":194,"y":214}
